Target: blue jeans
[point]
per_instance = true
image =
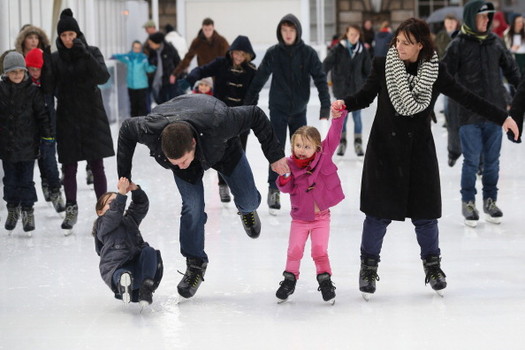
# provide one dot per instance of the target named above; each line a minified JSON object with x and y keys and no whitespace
{"x":358,"y":125}
{"x":480,"y":141}
{"x":141,"y":268}
{"x":281,"y":122}
{"x":19,"y":187}
{"x":193,"y":217}
{"x":374,"y":230}
{"x":47,"y":163}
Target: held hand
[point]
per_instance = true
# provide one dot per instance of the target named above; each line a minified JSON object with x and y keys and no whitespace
{"x":132,"y":186}
{"x":511,"y":125}
{"x":337,"y":108}
{"x":280,"y":166}
{"x":122,"y":186}
{"x":173,"y":79}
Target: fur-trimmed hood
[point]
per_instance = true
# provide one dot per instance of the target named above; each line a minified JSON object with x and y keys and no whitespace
{"x":42,"y":36}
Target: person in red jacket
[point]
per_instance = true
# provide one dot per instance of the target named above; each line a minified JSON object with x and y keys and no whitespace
{"x":314,"y":187}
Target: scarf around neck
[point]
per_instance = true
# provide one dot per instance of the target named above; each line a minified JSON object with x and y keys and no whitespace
{"x":410,"y":94}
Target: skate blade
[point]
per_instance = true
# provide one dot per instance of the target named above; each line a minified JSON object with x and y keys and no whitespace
{"x":29,"y":234}
{"x":331,"y":301}
{"x":366,"y":296}
{"x":492,"y":220}
{"x":273,"y":211}
{"x":281,"y":301}
{"x":125,"y":281}
{"x":10,"y":232}
{"x":68,"y":232}
{"x":143,"y":304}
{"x":440,"y":292}
{"x":471,"y":223}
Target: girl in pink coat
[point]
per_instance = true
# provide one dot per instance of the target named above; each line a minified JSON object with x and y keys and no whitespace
{"x":314,"y":187}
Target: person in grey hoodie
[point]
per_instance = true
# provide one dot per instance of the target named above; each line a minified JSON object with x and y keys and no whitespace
{"x":291,"y":63}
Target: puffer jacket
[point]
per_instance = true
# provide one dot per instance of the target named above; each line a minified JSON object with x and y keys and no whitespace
{"x":477,"y":64}
{"x":349,"y":72}
{"x":23,"y":120}
{"x":117,"y":235}
{"x":318,"y":183}
{"x":291,"y":68}
{"x":213,"y":124}
{"x":231,"y":83}
{"x":138,"y":69}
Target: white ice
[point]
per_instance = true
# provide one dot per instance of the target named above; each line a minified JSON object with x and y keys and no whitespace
{"x":52,"y":296}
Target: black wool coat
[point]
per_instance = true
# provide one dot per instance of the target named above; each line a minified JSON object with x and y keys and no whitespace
{"x":83,"y":131}
{"x":213,"y":123}
{"x":400,"y":173}
{"x":23,"y":120}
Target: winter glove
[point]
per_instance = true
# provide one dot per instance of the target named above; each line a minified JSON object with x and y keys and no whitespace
{"x":80,"y":48}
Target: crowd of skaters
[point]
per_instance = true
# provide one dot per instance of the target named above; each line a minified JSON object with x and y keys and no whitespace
{"x":359,"y":62}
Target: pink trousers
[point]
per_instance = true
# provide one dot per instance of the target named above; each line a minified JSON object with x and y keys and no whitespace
{"x":319,"y":232}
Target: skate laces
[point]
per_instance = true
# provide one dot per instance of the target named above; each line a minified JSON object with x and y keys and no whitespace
{"x":491,"y":206}
{"x":326,"y":286}
{"x":434,"y":272}
{"x":369,"y":273}
{"x":193,"y":275}
{"x":248,"y":219}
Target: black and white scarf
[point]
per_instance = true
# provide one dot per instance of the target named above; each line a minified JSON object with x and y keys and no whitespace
{"x":410,"y":94}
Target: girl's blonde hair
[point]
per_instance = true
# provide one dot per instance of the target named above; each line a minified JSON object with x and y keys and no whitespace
{"x":308,"y":133}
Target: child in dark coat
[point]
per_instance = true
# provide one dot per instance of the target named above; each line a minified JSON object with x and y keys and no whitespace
{"x":23,"y":122}
{"x":129,"y":266}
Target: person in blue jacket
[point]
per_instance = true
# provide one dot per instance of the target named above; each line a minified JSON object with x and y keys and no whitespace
{"x":137,"y":78}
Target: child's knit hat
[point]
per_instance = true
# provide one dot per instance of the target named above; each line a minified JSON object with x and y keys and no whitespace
{"x":206,"y":81}
{"x":35,"y":58}
{"x":14,"y":60}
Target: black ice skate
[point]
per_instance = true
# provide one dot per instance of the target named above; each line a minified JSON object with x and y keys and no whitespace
{"x":342,"y":145}
{"x":326,"y":287}
{"x":358,"y":146}
{"x":224,"y":193}
{"x":274,"y":200}
{"x":146,"y":292}
{"x":89,"y":176}
{"x":45,"y":190}
{"x":287,"y":287}
{"x":28,"y":219}
{"x":13,"y":214}
{"x":434,"y":275}
{"x":195,"y":270}
{"x":124,"y":287}
{"x":368,"y":277}
{"x":251,"y":224}
{"x":493,"y":214}
{"x":57,"y":200}
{"x":71,"y":218}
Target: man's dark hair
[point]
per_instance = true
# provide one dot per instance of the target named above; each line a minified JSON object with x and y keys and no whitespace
{"x":207,"y":22}
{"x":176,"y":140}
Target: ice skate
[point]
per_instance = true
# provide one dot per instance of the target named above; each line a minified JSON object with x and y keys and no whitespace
{"x":57,"y":200}
{"x":224,"y":193}
{"x":192,"y":279}
{"x":251,"y":224}
{"x":368,"y":277}
{"x":13,"y":214}
{"x":470,"y":213}
{"x":493,"y":214}
{"x":89,"y":176}
{"x":125,"y":287}
{"x":326,"y":287}
{"x":434,"y":275}
{"x":71,"y":218}
{"x":287,"y":287}
{"x":146,"y":292}
{"x":358,"y":146}
{"x":45,"y":191}
{"x":274,"y":200}
{"x":342,"y":145}
{"x":28,"y":220}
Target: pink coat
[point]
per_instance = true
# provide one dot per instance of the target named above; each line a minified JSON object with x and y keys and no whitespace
{"x":321,"y":176}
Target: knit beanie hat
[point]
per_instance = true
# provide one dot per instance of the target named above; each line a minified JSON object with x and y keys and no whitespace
{"x":67,"y":23}
{"x":14,"y":60}
{"x":157,"y":37}
{"x":35,"y":58}
{"x":206,"y":81}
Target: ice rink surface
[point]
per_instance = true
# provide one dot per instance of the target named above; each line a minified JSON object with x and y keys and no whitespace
{"x":52,"y":296}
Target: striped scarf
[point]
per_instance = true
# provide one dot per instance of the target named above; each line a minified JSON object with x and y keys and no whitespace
{"x":410,"y":94}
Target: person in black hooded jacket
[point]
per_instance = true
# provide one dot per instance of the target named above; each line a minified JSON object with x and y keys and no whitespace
{"x":188,"y":135}
{"x":477,"y":57}
{"x":291,"y":63}
{"x":233,"y":74}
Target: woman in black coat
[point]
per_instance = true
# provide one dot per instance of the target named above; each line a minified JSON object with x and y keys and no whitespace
{"x":73,"y":73}
{"x":400,"y":174}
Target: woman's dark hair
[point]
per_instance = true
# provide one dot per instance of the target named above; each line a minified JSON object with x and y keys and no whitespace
{"x":421,"y":32}
{"x":353,"y":26}
{"x":176,"y":140}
